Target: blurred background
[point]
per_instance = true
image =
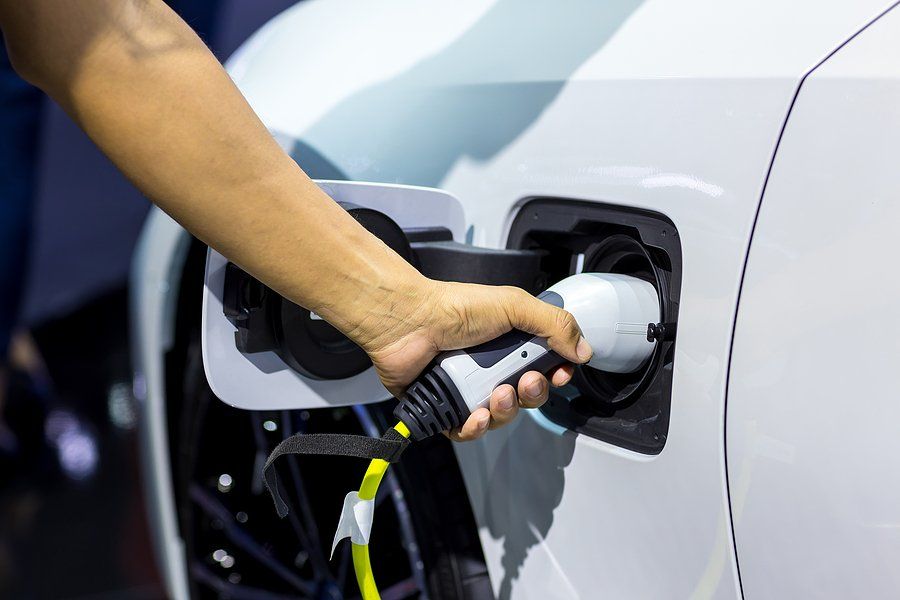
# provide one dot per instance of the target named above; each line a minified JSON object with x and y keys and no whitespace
{"x":72,"y":520}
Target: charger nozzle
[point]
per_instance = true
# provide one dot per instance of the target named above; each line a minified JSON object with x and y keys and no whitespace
{"x":618,"y":314}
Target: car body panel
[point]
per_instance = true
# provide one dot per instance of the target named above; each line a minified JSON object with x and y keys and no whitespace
{"x":812,"y":410}
{"x":155,"y":282}
{"x":674,"y":107}
{"x":671,"y":106}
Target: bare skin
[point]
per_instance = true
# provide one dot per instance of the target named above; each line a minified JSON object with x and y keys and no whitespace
{"x":150,"y":94}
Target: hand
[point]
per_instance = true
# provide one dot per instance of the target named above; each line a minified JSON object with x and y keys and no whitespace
{"x":403,"y":336}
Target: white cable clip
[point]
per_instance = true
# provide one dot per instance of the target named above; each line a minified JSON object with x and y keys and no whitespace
{"x":355,"y":522}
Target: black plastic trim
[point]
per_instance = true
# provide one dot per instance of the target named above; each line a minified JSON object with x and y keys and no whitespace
{"x":432,"y":404}
{"x":453,"y":261}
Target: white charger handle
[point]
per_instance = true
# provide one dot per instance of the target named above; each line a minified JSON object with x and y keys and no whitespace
{"x":613,"y":312}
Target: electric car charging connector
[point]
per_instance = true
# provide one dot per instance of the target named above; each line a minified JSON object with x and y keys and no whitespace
{"x":614,"y":312}
{"x":619,"y":316}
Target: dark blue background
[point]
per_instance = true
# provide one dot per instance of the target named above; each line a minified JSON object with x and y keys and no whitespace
{"x":65,"y":251}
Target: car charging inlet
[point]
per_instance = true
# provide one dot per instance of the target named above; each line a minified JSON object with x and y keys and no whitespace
{"x":614,"y":283}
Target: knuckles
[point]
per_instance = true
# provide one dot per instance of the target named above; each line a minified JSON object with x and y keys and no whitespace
{"x":566,"y":325}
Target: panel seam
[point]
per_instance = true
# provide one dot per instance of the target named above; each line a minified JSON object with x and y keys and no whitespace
{"x":744,"y":274}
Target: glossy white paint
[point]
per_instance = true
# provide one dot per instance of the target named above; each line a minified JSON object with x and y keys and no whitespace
{"x":156,"y":275}
{"x":674,"y":106}
{"x":813,"y":450}
{"x":262,"y":381}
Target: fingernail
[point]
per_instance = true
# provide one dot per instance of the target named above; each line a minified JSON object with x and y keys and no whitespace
{"x":484,"y":421}
{"x":506,"y":401}
{"x":583,"y":349}
{"x":535,"y":388}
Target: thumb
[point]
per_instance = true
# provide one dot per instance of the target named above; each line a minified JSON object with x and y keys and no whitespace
{"x":557,"y":325}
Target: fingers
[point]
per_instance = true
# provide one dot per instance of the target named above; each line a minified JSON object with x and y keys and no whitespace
{"x":562,"y":375}
{"x":533,"y":389}
{"x":503,"y":409}
{"x":557,"y":325}
{"x":474,"y":427}
{"x":504,"y":406}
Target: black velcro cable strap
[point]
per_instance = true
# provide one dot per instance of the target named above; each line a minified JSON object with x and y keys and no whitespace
{"x":388,"y":447}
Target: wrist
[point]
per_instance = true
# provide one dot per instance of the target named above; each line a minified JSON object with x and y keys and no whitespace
{"x":392,"y":311}
{"x":376,"y":299}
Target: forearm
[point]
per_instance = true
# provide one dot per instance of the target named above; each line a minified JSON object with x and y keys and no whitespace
{"x":155,"y":100}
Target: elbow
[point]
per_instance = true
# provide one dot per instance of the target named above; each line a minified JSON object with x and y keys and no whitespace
{"x":30,"y":53}
{"x":40,"y":50}
{"x":25,"y":62}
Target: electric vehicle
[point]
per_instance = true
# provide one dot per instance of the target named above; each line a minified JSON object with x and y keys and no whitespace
{"x":740,"y":157}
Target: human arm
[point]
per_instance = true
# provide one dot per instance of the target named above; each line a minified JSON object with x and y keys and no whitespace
{"x":154,"y":99}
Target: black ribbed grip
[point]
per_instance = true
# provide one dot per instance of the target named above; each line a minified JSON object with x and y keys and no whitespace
{"x":432,"y":404}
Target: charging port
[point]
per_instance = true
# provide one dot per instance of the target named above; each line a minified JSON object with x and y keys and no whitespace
{"x":632,"y":409}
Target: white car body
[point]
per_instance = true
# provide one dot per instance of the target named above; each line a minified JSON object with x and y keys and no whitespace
{"x":768,"y":133}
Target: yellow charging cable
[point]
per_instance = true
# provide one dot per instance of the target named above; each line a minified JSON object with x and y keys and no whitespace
{"x":361,"y":564}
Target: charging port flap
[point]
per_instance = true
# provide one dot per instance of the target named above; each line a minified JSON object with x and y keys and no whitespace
{"x":261,"y":352}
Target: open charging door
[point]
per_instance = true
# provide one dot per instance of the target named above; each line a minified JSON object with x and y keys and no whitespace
{"x":261,"y":352}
